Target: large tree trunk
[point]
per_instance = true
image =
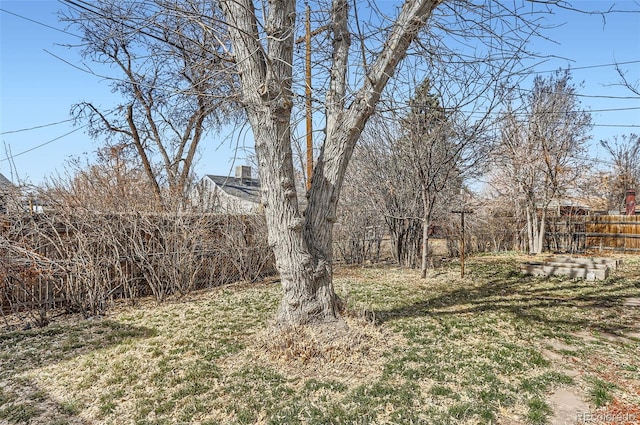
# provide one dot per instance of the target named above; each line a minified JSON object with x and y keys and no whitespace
{"x":303,"y":245}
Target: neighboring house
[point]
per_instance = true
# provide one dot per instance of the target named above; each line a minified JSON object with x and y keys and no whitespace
{"x":239,"y":194}
{"x":577,"y":206}
{"x":19,"y":199}
{"x":6,"y":189}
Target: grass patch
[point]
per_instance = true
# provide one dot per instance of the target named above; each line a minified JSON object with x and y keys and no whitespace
{"x":18,"y":413}
{"x":538,"y":412}
{"x":444,"y":350}
{"x":70,"y":407}
{"x":600,"y":392}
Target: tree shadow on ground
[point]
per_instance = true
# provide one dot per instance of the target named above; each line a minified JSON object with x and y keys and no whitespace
{"x":21,"y":399}
{"x":531,"y":299}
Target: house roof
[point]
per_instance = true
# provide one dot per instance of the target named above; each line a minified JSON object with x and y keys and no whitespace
{"x":246,"y":189}
{"x":5,"y":182}
{"x":592,"y":203}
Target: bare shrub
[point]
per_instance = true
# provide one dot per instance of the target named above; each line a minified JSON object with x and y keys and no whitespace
{"x":83,"y":260}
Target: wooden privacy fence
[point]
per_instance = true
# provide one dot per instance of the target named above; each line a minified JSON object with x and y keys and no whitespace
{"x":605,"y":233}
{"x":615,"y":233}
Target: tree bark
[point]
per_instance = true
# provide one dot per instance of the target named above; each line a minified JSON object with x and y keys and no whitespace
{"x":425,"y":248}
{"x":427,"y":207}
{"x":303,"y":245}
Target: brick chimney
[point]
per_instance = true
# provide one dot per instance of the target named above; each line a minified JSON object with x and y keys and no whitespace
{"x":630,"y":202}
{"x":243,"y":174}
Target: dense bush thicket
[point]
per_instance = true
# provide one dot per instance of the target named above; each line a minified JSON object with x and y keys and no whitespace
{"x":82,"y":261}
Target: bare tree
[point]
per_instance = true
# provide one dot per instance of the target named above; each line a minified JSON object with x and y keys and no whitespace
{"x":625,"y":155}
{"x":439,"y":153}
{"x":460,"y":36}
{"x":264,"y":55}
{"x":113,"y":183}
{"x":540,"y":147}
{"x":389,"y":186}
{"x":262,"y":39}
{"x":170,"y":77}
{"x":360,"y":228}
{"x":409,"y":162}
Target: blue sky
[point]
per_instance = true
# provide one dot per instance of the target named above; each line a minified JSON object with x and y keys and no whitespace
{"x":38,"y":88}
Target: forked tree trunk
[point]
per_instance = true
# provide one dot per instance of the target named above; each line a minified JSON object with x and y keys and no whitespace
{"x":302,"y":245}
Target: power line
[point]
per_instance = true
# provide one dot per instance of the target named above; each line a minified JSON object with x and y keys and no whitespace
{"x":594,"y":96}
{"x":42,"y":144}
{"x":35,"y":127}
{"x":527,"y":113}
{"x":577,"y":68}
{"x":618,"y":125}
{"x":38,"y":22}
{"x":614,"y":109}
{"x":107,"y":113}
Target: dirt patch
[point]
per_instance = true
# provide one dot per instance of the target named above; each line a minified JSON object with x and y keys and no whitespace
{"x":554,"y":353}
{"x":552,"y":356}
{"x":633,"y":335}
{"x":560,"y":346}
{"x":623,"y":339}
{"x":585,"y":336}
{"x":566,"y":403}
{"x":568,"y":407}
{"x":632,"y":302}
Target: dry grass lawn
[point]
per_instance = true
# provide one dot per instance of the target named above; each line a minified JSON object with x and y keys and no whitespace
{"x":490,"y":348}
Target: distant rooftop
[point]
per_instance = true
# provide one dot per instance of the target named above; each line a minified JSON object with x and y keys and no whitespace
{"x":247,"y":189}
{"x":5,"y":182}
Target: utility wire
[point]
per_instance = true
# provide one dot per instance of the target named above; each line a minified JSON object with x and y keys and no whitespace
{"x":633,"y":108}
{"x":618,"y":125}
{"x":88,"y":7}
{"x":39,"y":23}
{"x":577,"y":68}
{"x":35,"y":127}
{"x":526,"y":113}
{"x":42,"y":144}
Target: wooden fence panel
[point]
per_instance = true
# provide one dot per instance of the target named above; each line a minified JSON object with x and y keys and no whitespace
{"x":606,"y":233}
{"x":615,"y":233}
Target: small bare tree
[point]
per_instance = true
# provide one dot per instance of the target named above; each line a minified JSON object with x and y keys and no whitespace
{"x":416,"y":158}
{"x":389,"y":186}
{"x":539,"y":151}
{"x":624,"y":152}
